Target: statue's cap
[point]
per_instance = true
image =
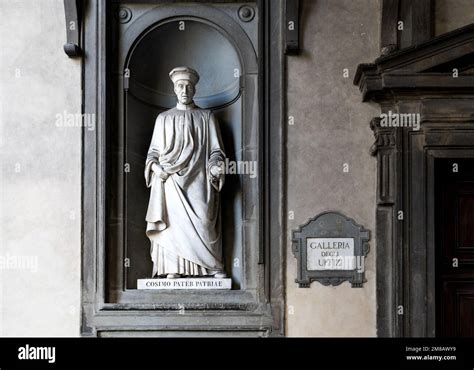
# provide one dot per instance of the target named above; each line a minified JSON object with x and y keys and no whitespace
{"x":184,"y":73}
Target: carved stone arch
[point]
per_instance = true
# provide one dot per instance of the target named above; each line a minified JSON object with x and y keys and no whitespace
{"x":220,"y":20}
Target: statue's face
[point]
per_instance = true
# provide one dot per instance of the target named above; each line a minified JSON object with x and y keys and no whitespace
{"x":184,"y":91}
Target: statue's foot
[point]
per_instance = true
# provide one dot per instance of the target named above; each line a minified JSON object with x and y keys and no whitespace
{"x":220,"y":275}
{"x":173,"y":276}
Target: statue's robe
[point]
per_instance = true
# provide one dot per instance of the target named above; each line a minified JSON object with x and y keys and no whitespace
{"x":183,"y":218}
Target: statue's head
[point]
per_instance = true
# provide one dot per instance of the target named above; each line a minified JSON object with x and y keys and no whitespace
{"x":184,"y":80}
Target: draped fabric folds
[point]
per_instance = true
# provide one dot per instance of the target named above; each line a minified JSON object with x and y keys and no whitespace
{"x":183,"y":217}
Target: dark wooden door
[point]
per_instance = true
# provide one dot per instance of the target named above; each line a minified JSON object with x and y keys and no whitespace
{"x":455,"y":248}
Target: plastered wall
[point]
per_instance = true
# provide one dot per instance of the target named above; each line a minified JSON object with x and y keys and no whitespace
{"x":331,"y":130}
{"x":40,"y":169}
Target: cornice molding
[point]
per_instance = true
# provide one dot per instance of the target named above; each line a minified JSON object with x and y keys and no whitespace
{"x":421,"y":70}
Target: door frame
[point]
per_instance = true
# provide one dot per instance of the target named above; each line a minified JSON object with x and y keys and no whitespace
{"x":406,"y":248}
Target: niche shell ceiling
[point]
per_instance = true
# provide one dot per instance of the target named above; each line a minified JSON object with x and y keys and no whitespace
{"x":199,"y":46}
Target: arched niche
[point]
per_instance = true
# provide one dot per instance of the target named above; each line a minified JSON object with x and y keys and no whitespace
{"x":227,"y":65}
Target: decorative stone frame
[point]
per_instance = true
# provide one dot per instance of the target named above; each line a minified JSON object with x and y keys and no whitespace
{"x":256,"y":312}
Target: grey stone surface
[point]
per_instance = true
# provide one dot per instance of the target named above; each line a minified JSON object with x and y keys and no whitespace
{"x":331,"y":128}
{"x":40,"y":174}
{"x":452,"y":14}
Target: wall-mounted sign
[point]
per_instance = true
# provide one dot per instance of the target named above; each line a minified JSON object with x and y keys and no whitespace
{"x":331,"y":249}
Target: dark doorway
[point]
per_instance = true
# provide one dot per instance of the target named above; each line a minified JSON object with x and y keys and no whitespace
{"x":455,"y":248}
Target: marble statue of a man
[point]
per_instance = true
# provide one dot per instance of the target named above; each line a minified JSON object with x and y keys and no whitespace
{"x":184,"y":171}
